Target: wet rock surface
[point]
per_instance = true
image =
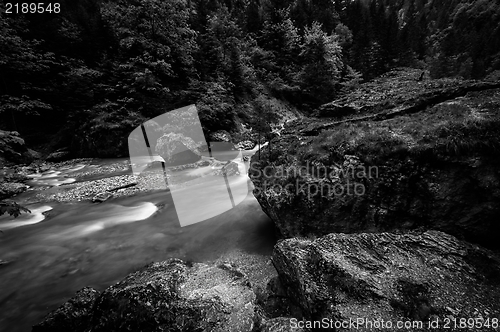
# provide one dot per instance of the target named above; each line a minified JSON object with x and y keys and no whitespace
{"x":406,"y":277}
{"x":73,"y":315}
{"x":166,"y":296}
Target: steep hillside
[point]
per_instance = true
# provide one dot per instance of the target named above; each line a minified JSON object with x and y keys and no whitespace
{"x":83,"y":78}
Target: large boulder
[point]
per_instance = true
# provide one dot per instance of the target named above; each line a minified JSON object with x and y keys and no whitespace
{"x":73,"y":315}
{"x":245,"y":145}
{"x":177,"y":149}
{"x":220,"y":136}
{"x":168,"y":296}
{"x":229,"y":169}
{"x":366,"y":278}
{"x":13,"y":149}
{"x":280,"y":324}
{"x":460,"y":197}
{"x":437,"y":169}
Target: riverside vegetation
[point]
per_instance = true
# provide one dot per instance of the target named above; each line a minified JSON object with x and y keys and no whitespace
{"x":407,"y":88}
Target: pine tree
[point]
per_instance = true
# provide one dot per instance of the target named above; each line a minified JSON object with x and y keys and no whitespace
{"x":321,"y":57}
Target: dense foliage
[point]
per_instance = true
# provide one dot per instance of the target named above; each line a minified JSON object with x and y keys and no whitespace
{"x":450,"y":38}
{"x":86,"y":77}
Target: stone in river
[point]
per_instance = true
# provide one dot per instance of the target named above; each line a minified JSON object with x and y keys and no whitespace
{"x":167,"y":296}
{"x":177,"y":149}
{"x":102,"y":197}
{"x":73,"y":315}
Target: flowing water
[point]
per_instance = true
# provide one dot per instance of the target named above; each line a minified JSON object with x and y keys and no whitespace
{"x":48,"y":255}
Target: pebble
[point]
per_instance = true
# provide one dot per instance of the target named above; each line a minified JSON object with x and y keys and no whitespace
{"x":88,"y":189}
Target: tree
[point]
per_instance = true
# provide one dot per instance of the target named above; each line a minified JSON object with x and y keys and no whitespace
{"x":322,"y":59}
{"x":226,"y":37}
{"x":155,"y":34}
{"x":305,"y":12}
{"x":281,"y":41}
{"x":254,"y":17}
{"x":344,"y":36}
{"x":266,"y":115}
{"x":21,"y":63}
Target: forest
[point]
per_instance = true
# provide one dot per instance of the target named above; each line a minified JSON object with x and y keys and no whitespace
{"x":83,"y":78}
{"x":347,"y":166}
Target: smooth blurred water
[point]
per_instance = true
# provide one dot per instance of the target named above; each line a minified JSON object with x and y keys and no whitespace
{"x":87,"y":244}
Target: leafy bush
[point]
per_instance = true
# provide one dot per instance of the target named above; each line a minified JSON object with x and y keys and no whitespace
{"x":12,"y":208}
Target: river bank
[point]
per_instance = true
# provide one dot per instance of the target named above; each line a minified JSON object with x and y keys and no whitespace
{"x":68,"y":242}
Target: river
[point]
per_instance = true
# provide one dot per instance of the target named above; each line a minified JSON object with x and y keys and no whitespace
{"x":48,"y":255}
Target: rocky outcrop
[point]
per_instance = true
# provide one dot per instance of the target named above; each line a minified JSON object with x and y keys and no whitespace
{"x":220,"y":136}
{"x":459,"y":197}
{"x":280,"y":324}
{"x":177,"y":149}
{"x":166,"y":296}
{"x":435,"y":169}
{"x":428,"y":277}
{"x":13,"y":149}
{"x":336,"y":110}
{"x":229,"y":169}
{"x":245,"y":145}
{"x":395,"y":93}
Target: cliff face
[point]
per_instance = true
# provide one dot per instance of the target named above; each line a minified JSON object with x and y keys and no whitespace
{"x":403,"y":158}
